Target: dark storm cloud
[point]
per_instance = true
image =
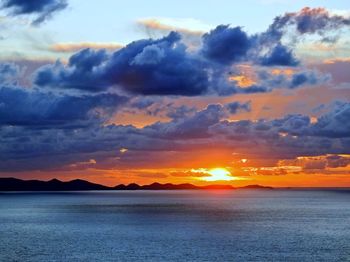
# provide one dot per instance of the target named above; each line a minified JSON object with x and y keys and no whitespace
{"x":165,"y":66}
{"x":279,"y":56}
{"x":161,"y":67}
{"x":41,"y":9}
{"x":36,"y":109}
{"x":83,"y":72}
{"x":39,"y":149}
{"x":147,"y":67}
{"x":226,"y":45}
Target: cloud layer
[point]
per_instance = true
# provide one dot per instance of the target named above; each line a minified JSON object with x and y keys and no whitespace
{"x":66,"y":117}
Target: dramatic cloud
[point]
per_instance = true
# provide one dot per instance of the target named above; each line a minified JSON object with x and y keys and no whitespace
{"x":32,"y":108}
{"x":80,"y":74}
{"x":279,"y":56}
{"x":42,"y":9}
{"x":148,"y":67}
{"x":287,"y":137}
{"x":167,"y":66}
{"x":225,"y":45}
{"x":67,"y":118}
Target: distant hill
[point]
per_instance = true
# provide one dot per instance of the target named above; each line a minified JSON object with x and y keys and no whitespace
{"x":156,"y":186}
{"x":14,"y":184}
{"x":255,"y":187}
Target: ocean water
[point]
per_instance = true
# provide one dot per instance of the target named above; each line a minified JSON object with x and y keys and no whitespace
{"x":241,"y":225}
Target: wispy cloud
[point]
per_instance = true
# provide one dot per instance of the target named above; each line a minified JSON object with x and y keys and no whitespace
{"x":74,"y":47}
{"x":186,"y":26}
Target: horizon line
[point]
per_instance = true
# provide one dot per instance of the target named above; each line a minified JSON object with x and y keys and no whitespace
{"x":186,"y":183}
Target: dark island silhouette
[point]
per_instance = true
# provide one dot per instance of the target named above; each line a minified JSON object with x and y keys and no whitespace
{"x":14,"y":184}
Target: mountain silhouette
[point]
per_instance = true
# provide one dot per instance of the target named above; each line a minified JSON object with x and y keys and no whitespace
{"x":14,"y":184}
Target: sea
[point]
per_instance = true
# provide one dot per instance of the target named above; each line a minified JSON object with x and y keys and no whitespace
{"x":184,"y":225}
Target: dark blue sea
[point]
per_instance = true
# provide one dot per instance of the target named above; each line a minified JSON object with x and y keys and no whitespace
{"x":240,"y":225}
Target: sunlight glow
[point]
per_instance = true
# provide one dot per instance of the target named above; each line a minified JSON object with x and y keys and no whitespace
{"x":216,"y":174}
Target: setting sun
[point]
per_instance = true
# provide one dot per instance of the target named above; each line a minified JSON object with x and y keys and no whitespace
{"x":218,"y":174}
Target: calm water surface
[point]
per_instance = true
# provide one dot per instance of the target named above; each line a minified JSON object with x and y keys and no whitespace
{"x":246,"y":225}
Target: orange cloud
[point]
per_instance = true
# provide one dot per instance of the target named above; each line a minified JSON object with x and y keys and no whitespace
{"x":246,"y":76}
{"x":322,"y":162}
{"x":336,"y":60}
{"x":272,"y":170}
{"x":242,"y":81}
{"x":287,"y":72}
{"x":73,"y":47}
{"x":329,"y":164}
{"x":155,"y":24}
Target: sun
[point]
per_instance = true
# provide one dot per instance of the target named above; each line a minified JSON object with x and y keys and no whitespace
{"x":218,"y":174}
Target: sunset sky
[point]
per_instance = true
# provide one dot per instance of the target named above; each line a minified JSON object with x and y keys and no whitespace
{"x":201,"y":92}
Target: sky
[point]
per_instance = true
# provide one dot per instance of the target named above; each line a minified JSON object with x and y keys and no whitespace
{"x":201,"y":92}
